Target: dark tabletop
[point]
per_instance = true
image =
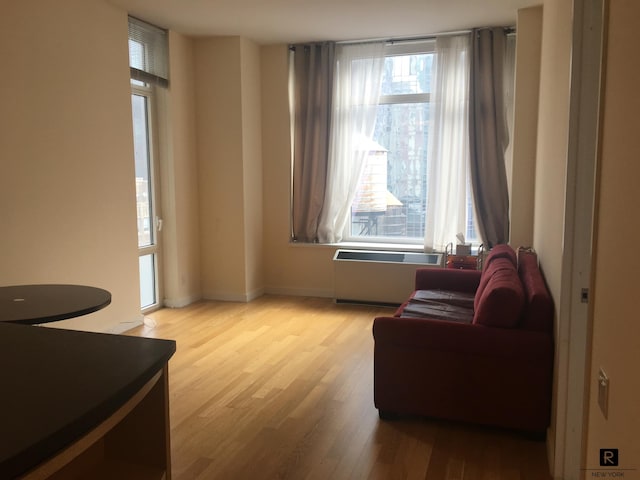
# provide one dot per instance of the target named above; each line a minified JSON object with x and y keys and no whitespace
{"x":32,"y":304}
{"x":57,"y":385}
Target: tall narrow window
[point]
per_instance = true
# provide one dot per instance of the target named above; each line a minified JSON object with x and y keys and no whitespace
{"x":147,"y":59}
{"x":145,"y":196}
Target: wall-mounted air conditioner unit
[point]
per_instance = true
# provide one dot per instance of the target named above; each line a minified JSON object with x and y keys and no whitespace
{"x":370,"y":276}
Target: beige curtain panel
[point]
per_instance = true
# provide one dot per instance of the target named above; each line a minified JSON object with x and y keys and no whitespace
{"x":488,"y":135}
{"x":313,"y":86}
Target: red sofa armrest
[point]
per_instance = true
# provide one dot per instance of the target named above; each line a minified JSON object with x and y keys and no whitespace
{"x":447,"y":279}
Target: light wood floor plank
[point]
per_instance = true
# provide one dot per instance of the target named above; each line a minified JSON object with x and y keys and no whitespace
{"x":282,"y":388}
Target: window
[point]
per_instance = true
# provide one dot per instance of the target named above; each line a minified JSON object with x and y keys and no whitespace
{"x":389,"y":158}
{"x":390,"y":201}
{"x":148,"y":53}
{"x":146,"y":193}
{"x":148,"y":65}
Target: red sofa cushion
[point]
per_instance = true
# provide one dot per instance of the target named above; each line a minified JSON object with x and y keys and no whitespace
{"x":500,"y":303}
{"x":439,"y":304}
{"x":449,"y":297}
{"x":500,"y":254}
{"x":502,"y":251}
{"x":438,"y":311}
{"x":538,"y":314}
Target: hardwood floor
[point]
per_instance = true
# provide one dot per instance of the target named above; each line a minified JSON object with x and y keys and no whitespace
{"x":282,"y":388}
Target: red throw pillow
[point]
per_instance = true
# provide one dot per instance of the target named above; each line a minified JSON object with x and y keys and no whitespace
{"x":501,"y":302}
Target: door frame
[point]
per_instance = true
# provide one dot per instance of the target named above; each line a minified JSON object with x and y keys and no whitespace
{"x":576,"y":311}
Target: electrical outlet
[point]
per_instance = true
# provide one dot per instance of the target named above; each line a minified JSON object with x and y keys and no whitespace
{"x":603,"y":392}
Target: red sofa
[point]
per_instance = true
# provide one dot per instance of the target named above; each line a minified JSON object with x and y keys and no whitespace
{"x":470,"y":346}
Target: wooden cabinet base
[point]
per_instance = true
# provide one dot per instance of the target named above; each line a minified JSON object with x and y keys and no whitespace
{"x":131,"y":444}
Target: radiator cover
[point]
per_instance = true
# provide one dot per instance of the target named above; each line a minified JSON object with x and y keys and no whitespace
{"x":371,"y":276}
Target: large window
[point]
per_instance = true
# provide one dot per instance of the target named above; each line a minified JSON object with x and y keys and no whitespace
{"x":390,"y":202}
{"x":401,"y":142}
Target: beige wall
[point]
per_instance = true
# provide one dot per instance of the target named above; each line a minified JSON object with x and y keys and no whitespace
{"x":252,"y":168}
{"x":550,"y":178}
{"x":290,"y":269}
{"x":219,"y":150}
{"x":525,"y":126}
{"x":180,"y":232}
{"x":616,"y":330}
{"x":552,"y":144}
{"x":228,"y":126}
{"x":67,"y":190}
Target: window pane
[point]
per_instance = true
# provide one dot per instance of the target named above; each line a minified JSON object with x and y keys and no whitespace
{"x":390,"y":201}
{"x":142,"y":170}
{"x":471,"y":235}
{"x":391,"y":198}
{"x":147,"y":281}
{"x":407,"y":74}
{"x":136,"y":54}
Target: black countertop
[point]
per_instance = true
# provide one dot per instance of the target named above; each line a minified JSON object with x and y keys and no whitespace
{"x":32,"y":304}
{"x":58,"y":385}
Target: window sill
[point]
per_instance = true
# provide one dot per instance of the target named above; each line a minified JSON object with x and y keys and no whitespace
{"x":394,"y":247}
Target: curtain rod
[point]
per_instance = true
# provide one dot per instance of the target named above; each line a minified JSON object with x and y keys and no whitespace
{"x":510,"y":30}
{"x":392,"y":40}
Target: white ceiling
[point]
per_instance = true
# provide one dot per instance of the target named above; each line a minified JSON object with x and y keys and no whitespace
{"x":290,"y":21}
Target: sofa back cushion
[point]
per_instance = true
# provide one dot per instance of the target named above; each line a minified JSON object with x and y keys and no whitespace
{"x":538,"y":314}
{"x":498,"y":253}
{"x":501,"y":301}
{"x":501,"y":251}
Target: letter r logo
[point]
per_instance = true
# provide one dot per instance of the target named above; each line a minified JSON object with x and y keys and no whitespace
{"x":608,"y":457}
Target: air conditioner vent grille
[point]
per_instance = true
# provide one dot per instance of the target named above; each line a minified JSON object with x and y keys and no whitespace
{"x":371,"y":276}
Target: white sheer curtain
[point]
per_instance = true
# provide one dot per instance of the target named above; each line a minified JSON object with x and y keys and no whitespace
{"x":358,"y":79}
{"x":509,"y":92}
{"x":448,"y":147}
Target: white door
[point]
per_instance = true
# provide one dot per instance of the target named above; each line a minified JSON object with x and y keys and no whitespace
{"x":147,"y":197}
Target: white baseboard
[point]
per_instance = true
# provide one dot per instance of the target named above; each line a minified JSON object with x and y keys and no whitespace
{"x":234,"y":297}
{"x":299,"y":292}
{"x":255,"y":294}
{"x":180,"y":302}
{"x":248,"y":296}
